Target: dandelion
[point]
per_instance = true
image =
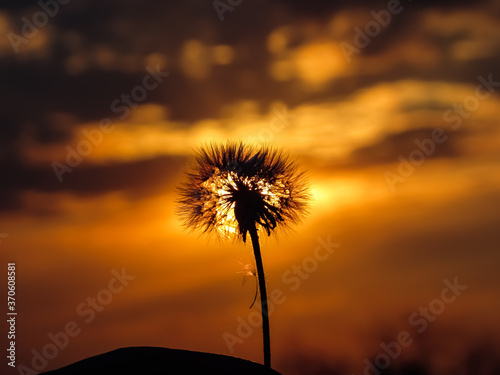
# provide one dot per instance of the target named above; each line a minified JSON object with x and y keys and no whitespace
{"x":235,"y":190}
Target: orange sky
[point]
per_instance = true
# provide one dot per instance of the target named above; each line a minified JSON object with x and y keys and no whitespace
{"x":406,"y":187}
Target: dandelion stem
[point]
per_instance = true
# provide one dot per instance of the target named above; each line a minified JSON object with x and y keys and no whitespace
{"x":263,"y":295}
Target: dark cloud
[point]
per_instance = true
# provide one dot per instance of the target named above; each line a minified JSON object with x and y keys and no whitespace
{"x":319,"y":8}
{"x":137,"y":179}
{"x":137,"y":30}
{"x":393,"y":145}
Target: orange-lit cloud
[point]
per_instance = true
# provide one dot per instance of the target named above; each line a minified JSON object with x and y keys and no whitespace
{"x":331,"y":129}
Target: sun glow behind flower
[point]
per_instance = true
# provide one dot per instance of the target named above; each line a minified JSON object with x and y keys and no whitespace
{"x":217,"y":187}
{"x":221,"y":185}
{"x":236,"y":186}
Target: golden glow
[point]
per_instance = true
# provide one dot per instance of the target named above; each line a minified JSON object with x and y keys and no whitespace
{"x":318,"y":63}
{"x":315,"y":64}
{"x":223,"y":55}
{"x":219,"y":186}
{"x":194,"y":59}
{"x":278,"y":40}
{"x":156,"y":59}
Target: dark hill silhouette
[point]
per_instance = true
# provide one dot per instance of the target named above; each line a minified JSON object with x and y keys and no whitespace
{"x":156,"y":361}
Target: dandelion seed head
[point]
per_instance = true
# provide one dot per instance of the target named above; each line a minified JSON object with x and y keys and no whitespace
{"x":233,"y":187}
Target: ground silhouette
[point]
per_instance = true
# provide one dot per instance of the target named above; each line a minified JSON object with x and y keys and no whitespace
{"x":156,"y":360}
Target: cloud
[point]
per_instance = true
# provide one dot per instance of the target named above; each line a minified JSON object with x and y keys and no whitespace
{"x":197,"y":59}
{"x":471,"y":34}
{"x":393,"y":145}
{"x":135,"y":179}
{"x":376,"y":123}
{"x":216,"y":63}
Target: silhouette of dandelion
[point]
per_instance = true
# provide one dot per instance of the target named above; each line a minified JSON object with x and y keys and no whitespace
{"x":234,"y":190}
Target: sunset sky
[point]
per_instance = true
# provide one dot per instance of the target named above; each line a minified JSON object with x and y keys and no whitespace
{"x":391,"y":107}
